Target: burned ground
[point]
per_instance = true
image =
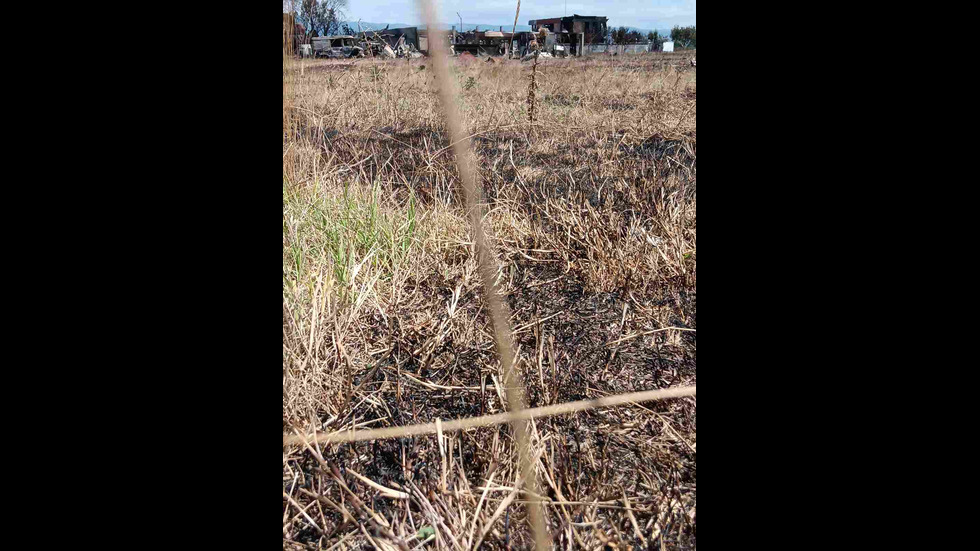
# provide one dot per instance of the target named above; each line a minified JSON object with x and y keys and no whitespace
{"x":592,"y":214}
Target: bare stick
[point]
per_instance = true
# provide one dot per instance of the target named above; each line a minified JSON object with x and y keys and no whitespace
{"x":489,"y":420}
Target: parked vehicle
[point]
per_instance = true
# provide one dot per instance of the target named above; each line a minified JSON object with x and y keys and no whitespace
{"x":337,"y":47}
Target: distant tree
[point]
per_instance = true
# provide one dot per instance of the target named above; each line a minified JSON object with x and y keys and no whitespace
{"x":619,"y":35}
{"x":623,"y":35}
{"x":334,"y":16}
{"x":321,"y":17}
{"x":685,"y":37}
{"x":656,"y":40}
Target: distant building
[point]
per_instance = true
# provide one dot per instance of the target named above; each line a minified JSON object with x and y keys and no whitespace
{"x":575,"y":31}
{"x":594,"y":28}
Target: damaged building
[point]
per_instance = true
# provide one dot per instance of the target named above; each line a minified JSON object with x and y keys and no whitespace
{"x":575,"y":32}
{"x":575,"y":35}
{"x":397,"y":38}
{"x":487,"y":43}
{"x":482,"y":43}
{"x":390,"y":43}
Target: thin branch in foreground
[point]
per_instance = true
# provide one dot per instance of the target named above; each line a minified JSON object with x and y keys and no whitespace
{"x":490,"y":420}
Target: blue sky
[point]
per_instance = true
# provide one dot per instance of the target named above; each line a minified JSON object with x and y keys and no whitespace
{"x":643,"y":14}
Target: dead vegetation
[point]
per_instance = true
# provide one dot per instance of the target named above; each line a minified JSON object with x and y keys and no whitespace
{"x":591,"y":211}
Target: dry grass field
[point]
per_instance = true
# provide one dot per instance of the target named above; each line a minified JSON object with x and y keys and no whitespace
{"x":592,"y":215}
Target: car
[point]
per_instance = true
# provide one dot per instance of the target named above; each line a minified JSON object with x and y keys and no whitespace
{"x":337,"y":47}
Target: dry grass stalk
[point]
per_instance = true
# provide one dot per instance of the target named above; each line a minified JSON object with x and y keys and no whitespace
{"x":532,"y":87}
{"x":499,"y":312}
{"x":511,"y":50}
